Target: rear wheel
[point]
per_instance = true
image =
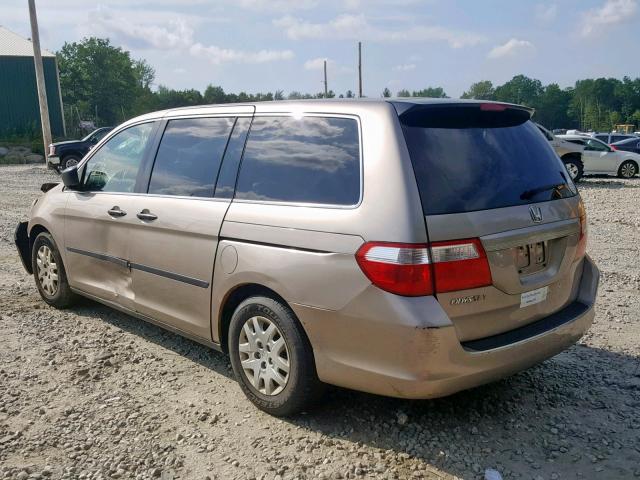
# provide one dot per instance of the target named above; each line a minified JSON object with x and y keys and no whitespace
{"x":574,"y":167}
{"x":70,"y":161}
{"x":49,"y":272}
{"x":272,"y":358}
{"x":628,"y":169}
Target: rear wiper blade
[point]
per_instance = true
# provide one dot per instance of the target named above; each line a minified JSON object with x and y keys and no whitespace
{"x":527,"y":194}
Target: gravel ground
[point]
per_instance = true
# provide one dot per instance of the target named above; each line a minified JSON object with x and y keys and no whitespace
{"x":93,"y":393}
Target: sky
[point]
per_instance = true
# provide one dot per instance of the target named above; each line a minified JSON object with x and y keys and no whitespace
{"x":268,"y":45}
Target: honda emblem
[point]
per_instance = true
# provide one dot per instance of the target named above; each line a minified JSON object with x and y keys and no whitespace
{"x":536,"y":214}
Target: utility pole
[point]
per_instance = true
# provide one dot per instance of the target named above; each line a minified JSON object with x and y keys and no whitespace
{"x":42,"y":89}
{"x":326,"y":87}
{"x":359,"y":69}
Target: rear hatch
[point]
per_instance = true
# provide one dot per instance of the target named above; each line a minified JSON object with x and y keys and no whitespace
{"x":503,"y":217}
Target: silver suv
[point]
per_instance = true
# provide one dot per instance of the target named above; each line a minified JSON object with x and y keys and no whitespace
{"x":400,"y":247}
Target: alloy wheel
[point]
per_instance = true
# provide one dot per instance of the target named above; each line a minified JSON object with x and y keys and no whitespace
{"x":628,"y":170}
{"x":264,"y":355}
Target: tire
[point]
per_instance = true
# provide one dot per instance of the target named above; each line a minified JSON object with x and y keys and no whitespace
{"x":300,"y":387}
{"x":46,"y":262}
{"x":575,"y":168}
{"x":628,"y":169}
{"x":69,"y":161}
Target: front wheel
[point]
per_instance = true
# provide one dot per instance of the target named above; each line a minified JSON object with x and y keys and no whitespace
{"x":49,"y":272}
{"x":272,"y":358}
{"x":628,"y":169}
{"x":574,"y":167}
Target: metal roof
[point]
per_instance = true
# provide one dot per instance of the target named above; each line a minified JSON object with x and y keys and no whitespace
{"x":13,"y":45}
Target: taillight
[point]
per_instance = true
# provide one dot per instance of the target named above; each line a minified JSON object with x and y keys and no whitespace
{"x":613,"y":147}
{"x":460,"y":265}
{"x":581,"y":249}
{"x":398,"y":268}
{"x":421,"y":269}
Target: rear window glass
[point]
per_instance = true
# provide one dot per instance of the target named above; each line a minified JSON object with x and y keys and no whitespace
{"x":305,"y":160}
{"x":467,"y":160}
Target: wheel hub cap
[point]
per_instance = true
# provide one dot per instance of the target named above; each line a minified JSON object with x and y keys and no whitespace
{"x":47,"y":270}
{"x":628,"y":170}
{"x":264,"y":355}
{"x":572,"y":169}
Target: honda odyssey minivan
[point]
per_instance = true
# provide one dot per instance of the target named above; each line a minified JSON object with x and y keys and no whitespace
{"x":408,"y":248}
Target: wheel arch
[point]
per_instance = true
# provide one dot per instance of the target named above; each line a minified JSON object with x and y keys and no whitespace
{"x":36,"y":230}
{"x":235,"y":297}
{"x":572,"y":155}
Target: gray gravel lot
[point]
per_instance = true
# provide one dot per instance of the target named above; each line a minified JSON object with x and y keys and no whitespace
{"x":93,"y":393}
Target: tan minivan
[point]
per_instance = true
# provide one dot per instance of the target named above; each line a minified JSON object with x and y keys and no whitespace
{"x":401,"y":247}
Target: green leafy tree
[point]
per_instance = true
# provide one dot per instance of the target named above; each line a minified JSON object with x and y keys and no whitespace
{"x":521,"y":90}
{"x":552,"y":109}
{"x":482,"y":90}
{"x":349,"y":94}
{"x":386,"y":93}
{"x":404,"y":93}
{"x":101,"y":80}
{"x":430,"y":92}
{"x":214,"y":94}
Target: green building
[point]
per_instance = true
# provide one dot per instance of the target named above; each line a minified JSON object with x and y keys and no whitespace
{"x":19,"y":110}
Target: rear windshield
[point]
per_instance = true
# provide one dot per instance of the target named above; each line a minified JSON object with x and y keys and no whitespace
{"x":466,"y":159}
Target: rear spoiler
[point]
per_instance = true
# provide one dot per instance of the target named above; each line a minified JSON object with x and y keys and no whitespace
{"x":402,"y":106}
{"x":472,"y":114}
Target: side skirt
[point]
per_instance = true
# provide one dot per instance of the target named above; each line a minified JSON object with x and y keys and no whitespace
{"x":153,"y":321}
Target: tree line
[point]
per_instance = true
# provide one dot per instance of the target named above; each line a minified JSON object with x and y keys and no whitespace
{"x":103,"y":83}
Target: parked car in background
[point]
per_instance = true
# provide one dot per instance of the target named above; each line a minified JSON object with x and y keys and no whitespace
{"x":410,"y":248}
{"x":599,"y":158}
{"x":610,"y":138}
{"x":628,"y":145}
{"x":63,"y":155}
{"x":570,"y":153}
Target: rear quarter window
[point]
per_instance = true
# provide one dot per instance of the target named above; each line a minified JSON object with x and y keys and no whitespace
{"x":301,"y":160}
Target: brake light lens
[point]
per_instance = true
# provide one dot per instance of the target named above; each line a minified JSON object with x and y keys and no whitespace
{"x":400,"y":268}
{"x":581,"y":249}
{"x":460,"y":265}
{"x":493,"y":107}
{"x":613,"y":147}
{"x":422,"y":269}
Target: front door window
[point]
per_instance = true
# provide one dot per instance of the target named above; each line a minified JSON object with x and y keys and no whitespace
{"x":114,"y":167}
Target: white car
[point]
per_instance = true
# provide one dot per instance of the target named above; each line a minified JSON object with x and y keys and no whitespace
{"x":600,"y":158}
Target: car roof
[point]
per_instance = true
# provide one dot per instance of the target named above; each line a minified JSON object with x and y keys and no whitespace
{"x":631,"y":139}
{"x":402,"y":104}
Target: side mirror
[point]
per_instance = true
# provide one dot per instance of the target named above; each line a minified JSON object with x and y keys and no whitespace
{"x":70,"y":178}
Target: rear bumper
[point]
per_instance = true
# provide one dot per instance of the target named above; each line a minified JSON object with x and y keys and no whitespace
{"x":21,"y":239}
{"x":391,"y":348}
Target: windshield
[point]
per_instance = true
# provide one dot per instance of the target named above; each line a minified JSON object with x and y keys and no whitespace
{"x":467,"y":160}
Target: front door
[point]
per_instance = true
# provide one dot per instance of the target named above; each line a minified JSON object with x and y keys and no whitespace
{"x":597,"y":157}
{"x":178,"y":222}
{"x":98,"y":219}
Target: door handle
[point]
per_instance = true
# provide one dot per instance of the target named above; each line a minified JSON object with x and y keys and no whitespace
{"x":116,"y":212}
{"x":147,"y":215}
